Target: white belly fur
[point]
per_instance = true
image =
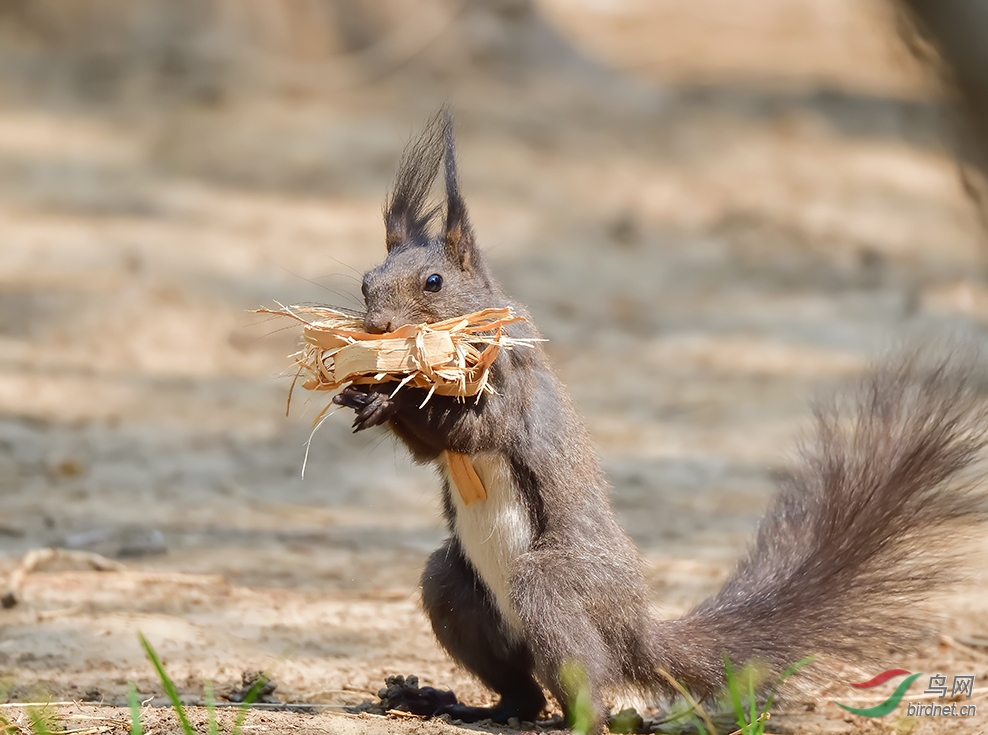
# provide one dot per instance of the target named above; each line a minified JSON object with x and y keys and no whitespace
{"x":496,"y":531}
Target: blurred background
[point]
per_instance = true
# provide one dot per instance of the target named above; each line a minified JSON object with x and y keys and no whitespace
{"x":729,"y":204}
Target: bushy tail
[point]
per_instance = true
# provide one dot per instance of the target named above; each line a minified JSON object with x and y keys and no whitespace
{"x":868,"y":527}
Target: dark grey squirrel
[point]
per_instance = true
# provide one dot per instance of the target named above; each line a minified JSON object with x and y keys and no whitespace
{"x":540,"y":574}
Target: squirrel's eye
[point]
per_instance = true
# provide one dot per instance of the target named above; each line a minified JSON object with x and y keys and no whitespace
{"x":434,"y":282}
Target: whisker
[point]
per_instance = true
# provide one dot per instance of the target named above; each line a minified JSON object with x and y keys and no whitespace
{"x":359,"y":314}
{"x":341,"y":275}
{"x":273,"y":332}
{"x":264,"y":319}
{"x":342,"y":294}
{"x":347,"y":265}
{"x":351,"y":297}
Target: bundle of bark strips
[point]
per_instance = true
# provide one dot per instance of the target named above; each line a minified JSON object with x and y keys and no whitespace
{"x":449,"y":358}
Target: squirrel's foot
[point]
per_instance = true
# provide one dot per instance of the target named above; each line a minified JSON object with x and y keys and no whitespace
{"x":373,"y":408}
{"x":429,"y":702}
{"x":500,"y":713}
{"x":424,"y":701}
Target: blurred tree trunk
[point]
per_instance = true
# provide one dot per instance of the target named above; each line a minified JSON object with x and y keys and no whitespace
{"x":959,"y":30}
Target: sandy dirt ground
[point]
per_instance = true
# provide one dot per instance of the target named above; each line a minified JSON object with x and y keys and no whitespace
{"x":740,"y":249}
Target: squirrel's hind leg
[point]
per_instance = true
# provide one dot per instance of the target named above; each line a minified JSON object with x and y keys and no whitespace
{"x":572,"y":657}
{"x":470,"y":628}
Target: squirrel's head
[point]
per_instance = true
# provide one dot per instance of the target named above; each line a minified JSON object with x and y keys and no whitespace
{"x":431,"y":273}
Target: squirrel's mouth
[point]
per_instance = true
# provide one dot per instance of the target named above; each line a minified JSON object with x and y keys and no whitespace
{"x":383,"y":322}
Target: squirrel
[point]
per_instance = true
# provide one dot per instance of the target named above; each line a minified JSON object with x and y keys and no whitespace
{"x":540,"y":574}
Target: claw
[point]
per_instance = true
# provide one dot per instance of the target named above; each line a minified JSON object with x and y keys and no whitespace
{"x":375,"y":410}
{"x":372,"y":408}
{"x":353,"y":397}
{"x":425,"y":702}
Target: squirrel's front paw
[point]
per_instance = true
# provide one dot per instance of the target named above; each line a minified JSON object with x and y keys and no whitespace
{"x":355,"y":397}
{"x":372,"y":408}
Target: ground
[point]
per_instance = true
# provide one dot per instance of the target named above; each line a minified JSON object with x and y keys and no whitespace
{"x":704,"y":260}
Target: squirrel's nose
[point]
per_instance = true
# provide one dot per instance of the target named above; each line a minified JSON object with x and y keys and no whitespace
{"x":378,"y":323}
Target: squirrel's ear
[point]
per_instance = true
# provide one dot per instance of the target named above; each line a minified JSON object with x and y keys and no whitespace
{"x":458,"y":237}
{"x":408,"y":212}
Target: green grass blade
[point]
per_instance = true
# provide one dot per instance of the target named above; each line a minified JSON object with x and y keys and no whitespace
{"x":39,"y":726}
{"x":734,"y":689}
{"x":698,"y":724}
{"x":753,"y":723}
{"x":136,"y":728}
{"x":794,"y":669}
{"x":168,"y":685}
{"x":580,"y":712}
{"x":252,"y":694}
{"x":214,"y":728}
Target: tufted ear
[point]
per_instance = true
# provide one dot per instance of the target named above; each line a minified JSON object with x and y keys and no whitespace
{"x":458,"y":238}
{"x":407,"y":211}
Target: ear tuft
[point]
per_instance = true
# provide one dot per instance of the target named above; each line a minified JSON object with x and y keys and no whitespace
{"x":458,"y":237}
{"x":408,"y":212}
